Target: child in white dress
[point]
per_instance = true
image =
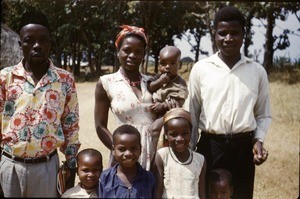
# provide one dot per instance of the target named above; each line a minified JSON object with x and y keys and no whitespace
{"x":180,"y":172}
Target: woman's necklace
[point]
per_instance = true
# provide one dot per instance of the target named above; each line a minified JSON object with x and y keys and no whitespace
{"x":132,"y":83}
{"x":189,"y":160}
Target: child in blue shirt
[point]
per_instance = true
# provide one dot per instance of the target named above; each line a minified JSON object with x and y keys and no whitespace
{"x":127,"y":179}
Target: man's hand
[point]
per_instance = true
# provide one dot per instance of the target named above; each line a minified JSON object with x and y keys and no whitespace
{"x":260,"y":154}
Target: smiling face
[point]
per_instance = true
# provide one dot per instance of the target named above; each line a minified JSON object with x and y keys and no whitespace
{"x":169,"y":61}
{"x":89,"y":170}
{"x":229,"y":39}
{"x":178,"y":134}
{"x":127,"y":149}
{"x":35,"y":43}
{"x":131,"y":53}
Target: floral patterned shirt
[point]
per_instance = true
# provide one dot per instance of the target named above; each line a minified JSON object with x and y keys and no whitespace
{"x":37,"y":119}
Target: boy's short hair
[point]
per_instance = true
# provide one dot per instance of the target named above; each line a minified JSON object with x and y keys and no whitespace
{"x":33,"y":17}
{"x":90,"y":152}
{"x":229,"y":13}
{"x":126,"y":129}
{"x":218,"y":175}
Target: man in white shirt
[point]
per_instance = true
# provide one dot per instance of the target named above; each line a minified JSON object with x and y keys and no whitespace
{"x":229,"y":103}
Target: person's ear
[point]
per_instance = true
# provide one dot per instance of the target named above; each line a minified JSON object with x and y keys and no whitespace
{"x":213,"y":28}
{"x":231,"y":191}
{"x":180,"y":64}
{"x":166,"y":137}
{"x":20,"y":44}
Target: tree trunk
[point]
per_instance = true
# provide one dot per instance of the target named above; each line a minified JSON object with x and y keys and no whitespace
{"x":248,"y":34}
{"x":269,"y":50}
{"x":90,"y":60}
{"x":197,"y":46}
{"x":77,"y":66}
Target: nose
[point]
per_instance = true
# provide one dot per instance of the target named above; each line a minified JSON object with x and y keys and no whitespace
{"x":228,"y":37}
{"x":132,"y":55}
{"x":179,"y":138}
{"x":36,"y":44}
{"x":128,"y":153}
{"x":90,"y":174}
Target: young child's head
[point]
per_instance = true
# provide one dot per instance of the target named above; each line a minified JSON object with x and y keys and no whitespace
{"x":177,"y":126}
{"x":89,"y":162}
{"x":220,"y":184}
{"x":126,"y":145}
{"x":169,"y":60}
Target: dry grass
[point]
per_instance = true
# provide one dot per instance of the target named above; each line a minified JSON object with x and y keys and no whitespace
{"x":277,"y":178}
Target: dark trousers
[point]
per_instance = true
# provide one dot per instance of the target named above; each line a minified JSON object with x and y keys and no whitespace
{"x":233,"y":154}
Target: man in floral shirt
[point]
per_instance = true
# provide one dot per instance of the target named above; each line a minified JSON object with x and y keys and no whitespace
{"x":38,"y":114}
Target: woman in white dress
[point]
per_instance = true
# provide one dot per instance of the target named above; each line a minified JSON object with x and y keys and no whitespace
{"x":125,"y":92}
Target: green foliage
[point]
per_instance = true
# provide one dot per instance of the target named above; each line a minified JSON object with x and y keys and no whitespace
{"x":91,"y":26}
{"x":285,"y":70}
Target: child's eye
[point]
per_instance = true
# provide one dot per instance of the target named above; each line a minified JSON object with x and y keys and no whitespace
{"x":85,"y":170}
{"x":135,"y":148}
{"x":172,"y":134}
{"x":140,"y":52}
{"x":122,"y":149}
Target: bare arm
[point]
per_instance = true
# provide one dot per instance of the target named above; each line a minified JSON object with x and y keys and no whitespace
{"x":153,"y":86}
{"x":202,"y":181}
{"x":101,"y":109}
{"x":159,"y":175}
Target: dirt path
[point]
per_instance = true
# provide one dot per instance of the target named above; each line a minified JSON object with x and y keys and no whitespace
{"x":87,"y":133}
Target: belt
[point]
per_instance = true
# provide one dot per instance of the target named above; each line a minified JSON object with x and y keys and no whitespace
{"x":228,"y":136}
{"x":30,"y":160}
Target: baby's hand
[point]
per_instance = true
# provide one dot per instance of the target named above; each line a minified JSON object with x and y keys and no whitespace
{"x":158,"y":108}
{"x":164,"y":78}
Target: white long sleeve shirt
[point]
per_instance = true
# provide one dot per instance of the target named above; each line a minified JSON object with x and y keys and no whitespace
{"x":223,"y":100}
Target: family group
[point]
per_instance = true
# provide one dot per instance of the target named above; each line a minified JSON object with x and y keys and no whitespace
{"x":173,"y":139}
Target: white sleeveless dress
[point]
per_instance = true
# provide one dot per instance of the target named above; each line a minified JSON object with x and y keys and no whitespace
{"x":181,"y":181}
{"x":128,"y":109}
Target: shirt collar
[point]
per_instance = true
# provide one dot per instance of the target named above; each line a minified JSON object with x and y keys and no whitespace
{"x":140,"y":173}
{"x":50,"y":76}
{"x":215,"y":59}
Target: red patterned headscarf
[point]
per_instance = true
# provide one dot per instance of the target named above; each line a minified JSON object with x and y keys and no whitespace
{"x":130,"y":30}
